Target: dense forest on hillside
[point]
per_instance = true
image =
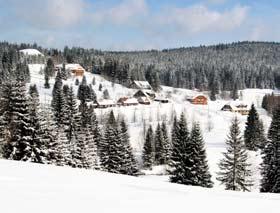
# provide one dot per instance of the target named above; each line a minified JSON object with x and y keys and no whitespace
{"x":216,"y":68}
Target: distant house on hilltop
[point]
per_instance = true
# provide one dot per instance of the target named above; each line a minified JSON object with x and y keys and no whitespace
{"x":143,"y":85}
{"x":75,"y":69}
{"x":198,"y":99}
{"x":241,"y":108}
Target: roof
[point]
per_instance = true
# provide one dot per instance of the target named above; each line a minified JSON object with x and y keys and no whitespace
{"x":238,"y":105}
{"x":143,"y":84}
{"x":106,"y":102}
{"x":127,"y":100}
{"x":195,"y":96}
{"x":31,"y":52}
{"x":71,"y":66}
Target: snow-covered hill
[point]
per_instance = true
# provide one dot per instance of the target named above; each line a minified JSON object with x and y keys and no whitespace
{"x":27,"y":187}
{"x":214,"y":122}
{"x":31,"y":52}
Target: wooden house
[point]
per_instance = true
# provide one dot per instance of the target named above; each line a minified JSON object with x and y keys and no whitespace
{"x":198,"y":100}
{"x":75,"y":69}
{"x":240,"y":108}
{"x":102,"y":104}
{"x":125,"y":101}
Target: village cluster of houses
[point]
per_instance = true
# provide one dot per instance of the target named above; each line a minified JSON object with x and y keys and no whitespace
{"x":145,"y":95}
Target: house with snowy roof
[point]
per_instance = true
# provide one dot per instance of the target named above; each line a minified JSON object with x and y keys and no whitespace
{"x":198,"y":99}
{"x":75,"y":69}
{"x":126,"y":101}
{"x":105,"y":103}
{"x":237,"y":107}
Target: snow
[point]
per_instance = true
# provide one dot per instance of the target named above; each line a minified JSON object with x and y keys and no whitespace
{"x":214,"y":122}
{"x":143,"y":84}
{"x":27,"y":187}
{"x":31,"y":52}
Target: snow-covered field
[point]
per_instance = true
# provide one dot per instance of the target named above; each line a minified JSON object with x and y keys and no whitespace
{"x":27,"y":187}
{"x":214,"y":122}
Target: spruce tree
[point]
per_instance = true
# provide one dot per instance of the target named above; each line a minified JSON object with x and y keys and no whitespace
{"x":60,"y":150}
{"x":158,"y":141}
{"x":234,"y":172}
{"x":112,"y":152}
{"x":253,"y":134}
{"x":199,"y":158}
{"x":20,"y":145}
{"x":166,"y":146}
{"x":271,"y":157}
{"x":72,"y":115}
{"x":148,"y":153}
{"x":59,"y":104}
{"x":180,"y":162}
{"x":130,"y":164}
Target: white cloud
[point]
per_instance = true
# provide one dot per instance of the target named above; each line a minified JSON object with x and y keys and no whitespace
{"x":199,"y":19}
{"x":126,"y":12}
{"x":51,"y":13}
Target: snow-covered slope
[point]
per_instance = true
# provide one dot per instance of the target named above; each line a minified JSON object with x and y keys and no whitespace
{"x":214,"y":122}
{"x":29,"y":188}
{"x":31,"y":52}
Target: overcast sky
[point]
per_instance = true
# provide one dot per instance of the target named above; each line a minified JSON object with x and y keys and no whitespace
{"x":138,"y":24}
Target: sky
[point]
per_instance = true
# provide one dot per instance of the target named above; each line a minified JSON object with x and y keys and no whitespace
{"x":138,"y":24}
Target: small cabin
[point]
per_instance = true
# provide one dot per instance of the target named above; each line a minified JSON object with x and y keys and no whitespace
{"x":198,"y":100}
{"x":125,"y":101}
{"x":103,"y":104}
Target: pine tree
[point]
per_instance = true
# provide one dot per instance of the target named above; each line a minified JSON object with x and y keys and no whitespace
{"x":77,"y":82}
{"x":59,"y":104}
{"x":106,"y":94}
{"x":112,"y":152}
{"x":166,"y":146}
{"x":94,"y":128}
{"x":100,"y":87}
{"x":179,"y":161}
{"x":83,"y":91}
{"x":48,"y":132}
{"x":93,"y":81}
{"x":93,"y":161}
{"x":234,"y":172}
{"x":19,"y":145}
{"x":253,"y":134}
{"x":234,"y":92}
{"x":271,"y":154}
{"x":60,"y":150}
{"x":130,"y":161}
{"x":199,"y":157}
{"x":148,"y":149}
{"x":158,"y":141}
{"x":72,"y":115}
